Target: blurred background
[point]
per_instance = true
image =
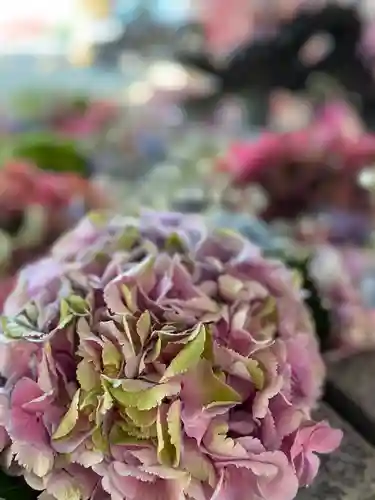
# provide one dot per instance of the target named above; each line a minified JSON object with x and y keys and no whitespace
{"x":171,"y":104}
{"x":257,"y":115}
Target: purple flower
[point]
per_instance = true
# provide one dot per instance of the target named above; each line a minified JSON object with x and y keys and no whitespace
{"x":161,"y":365}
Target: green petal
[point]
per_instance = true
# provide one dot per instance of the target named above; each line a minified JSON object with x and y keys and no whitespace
{"x":129,"y":298}
{"x":153,"y":354}
{"x":78,"y":305}
{"x":168,"y":427}
{"x":144,"y":326}
{"x":70,"y":418}
{"x":170,"y":335}
{"x":98,"y":218}
{"x":87,"y":376}
{"x":128,"y":396}
{"x":174,"y":244}
{"x":212,"y":387}
{"x":174,"y":430}
{"x":208,"y":352}
{"x":152,"y":397}
{"x":229,"y":287}
{"x":89,"y":400}
{"x":70,"y":307}
{"x":142,"y":418}
{"x":189,"y":356}
{"x":131,"y":335}
{"x":105,"y":403}
{"x":144,"y":274}
{"x":118,"y":436}
{"x":138,"y":432}
{"x":256,"y":373}
{"x":165,"y":449}
{"x":99,"y":441}
{"x":18,"y":328}
{"x":228,"y":233}
{"x":66,"y":315}
{"x":198,"y":465}
{"x":297,"y":279}
{"x":222,"y":444}
{"x":128,"y":238}
{"x":111,"y":357}
{"x":269,"y":309}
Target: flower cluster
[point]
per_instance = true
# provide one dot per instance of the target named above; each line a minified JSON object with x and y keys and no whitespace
{"x":153,"y":359}
{"x":328,"y":138}
{"x":301,"y":170}
{"x":35,"y":208}
{"x":345,"y":287}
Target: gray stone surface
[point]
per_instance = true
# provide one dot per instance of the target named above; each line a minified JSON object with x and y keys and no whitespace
{"x":355,"y":377}
{"x":347,"y":474}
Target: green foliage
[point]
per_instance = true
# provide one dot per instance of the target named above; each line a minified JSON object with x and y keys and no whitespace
{"x":48,"y":152}
{"x":15,"y":488}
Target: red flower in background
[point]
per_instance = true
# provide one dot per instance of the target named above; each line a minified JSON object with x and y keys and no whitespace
{"x":296,"y":168}
{"x":22,"y":186}
{"x":92,"y":121}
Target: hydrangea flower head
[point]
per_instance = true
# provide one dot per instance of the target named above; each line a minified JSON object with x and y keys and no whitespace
{"x":161,"y":363}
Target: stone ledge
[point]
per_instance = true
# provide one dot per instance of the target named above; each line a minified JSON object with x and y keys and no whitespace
{"x":347,"y":474}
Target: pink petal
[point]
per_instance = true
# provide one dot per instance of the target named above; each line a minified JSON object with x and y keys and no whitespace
{"x":282,"y":487}
{"x":324,"y":439}
{"x":196,"y":423}
{"x":252,"y":445}
{"x":310,"y":469}
{"x":59,"y":482}
{"x":15,"y":358}
{"x":125,"y":470}
{"x":127,"y":485}
{"x":25,"y":391}
{"x":113,"y":298}
{"x":40,"y":404}
{"x":196,"y":491}
{"x":233,"y":483}
{"x":257,"y":468}
{"x":71,"y":444}
{"x":160,"y":490}
{"x":265,"y":476}
{"x":26,"y":428}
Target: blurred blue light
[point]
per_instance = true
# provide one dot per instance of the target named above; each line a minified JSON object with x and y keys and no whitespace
{"x":161,"y":10}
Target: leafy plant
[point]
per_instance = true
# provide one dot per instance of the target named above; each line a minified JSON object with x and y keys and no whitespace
{"x":48,"y":152}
